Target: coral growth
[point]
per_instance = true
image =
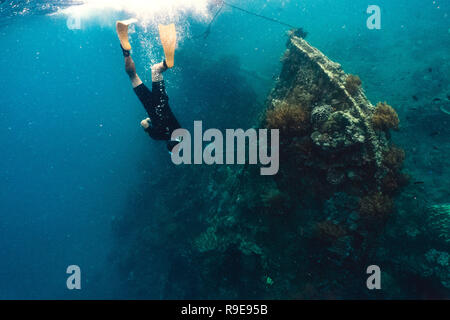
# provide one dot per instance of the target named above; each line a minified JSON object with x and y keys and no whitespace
{"x":394,"y":179}
{"x":352,"y":84}
{"x":390,"y":183}
{"x":328,"y":230}
{"x":385,"y":117}
{"x":276,"y":201}
{"x":394,"y":157}
{"x":376,"y":207}
{"x":320,"y":114}
{"x":341,"y":130}
{"x":438,"y":265}
{"x":292,"y":120}
{"x":439,"y":221}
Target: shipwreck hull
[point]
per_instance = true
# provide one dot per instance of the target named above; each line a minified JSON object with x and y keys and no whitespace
{"x":302,"y":226}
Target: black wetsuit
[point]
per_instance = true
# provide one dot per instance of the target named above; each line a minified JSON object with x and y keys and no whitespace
{"x":156,"y":103}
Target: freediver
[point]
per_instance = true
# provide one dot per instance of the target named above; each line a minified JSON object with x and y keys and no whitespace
{"x":161,"y":122}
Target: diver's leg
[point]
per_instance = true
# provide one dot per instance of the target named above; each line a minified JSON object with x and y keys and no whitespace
{"x":157,"y":71}
{"x":157,"y":78}
{"x":130,"y":69}
{"x":122,"y":33}
{"x":163,"y":114}
{"x":158,"y":86}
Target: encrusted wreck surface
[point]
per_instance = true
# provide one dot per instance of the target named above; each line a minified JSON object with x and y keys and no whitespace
{"x":340,"y":115}
{"x":312,"y":230}
{"x":329,"y":202}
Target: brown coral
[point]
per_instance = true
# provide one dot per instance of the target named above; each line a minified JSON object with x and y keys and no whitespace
{"x":385,"y":117}
{"x":376,"y":207}
{"x":390,"y":183}
{"x":394,"y":157}
{"x":302,"y":95}
{"x":393,"y":181}
{"x":292,"y":120}
{"x":352,"y":84}
{"x":328,"y":230}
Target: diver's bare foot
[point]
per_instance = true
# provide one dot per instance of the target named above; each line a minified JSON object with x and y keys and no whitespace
{"x":145,"y":123}
{"x":122,"y":33}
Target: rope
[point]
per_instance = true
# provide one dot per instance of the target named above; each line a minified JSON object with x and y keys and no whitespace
{"x":259,"y":15}
{"x":206,"y":33}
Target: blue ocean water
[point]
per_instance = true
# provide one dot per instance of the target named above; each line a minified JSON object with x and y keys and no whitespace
{"x":74,"y":156}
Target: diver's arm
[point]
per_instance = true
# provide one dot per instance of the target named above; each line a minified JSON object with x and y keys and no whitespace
{"x":145,"y":123}
{"x":131,"y":71}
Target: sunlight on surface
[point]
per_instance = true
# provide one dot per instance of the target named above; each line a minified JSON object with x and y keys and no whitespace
{"x":146,"y":11}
